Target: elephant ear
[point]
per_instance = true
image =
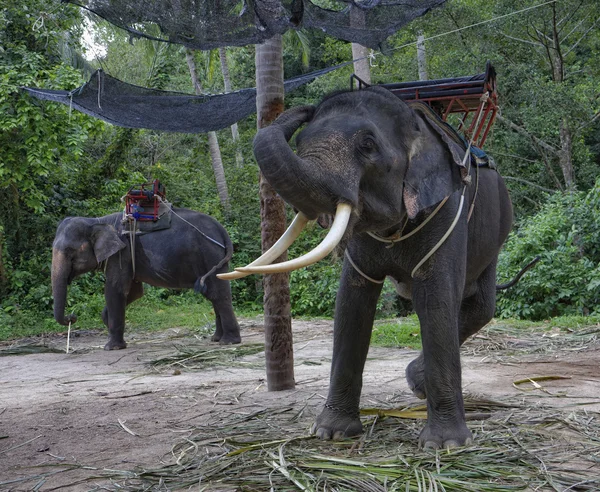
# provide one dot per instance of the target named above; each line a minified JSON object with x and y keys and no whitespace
{"x":105,"y":241}
{"x":432,"y":174}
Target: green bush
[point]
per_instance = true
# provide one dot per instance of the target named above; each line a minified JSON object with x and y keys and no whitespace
{"x":313,"y":289}
{"x":566,"y":281}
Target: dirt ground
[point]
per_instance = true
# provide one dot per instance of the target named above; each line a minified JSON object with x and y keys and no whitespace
{"x":112,"y":410}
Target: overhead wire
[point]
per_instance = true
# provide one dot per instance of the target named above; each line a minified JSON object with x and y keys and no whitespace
{"x":435,"y":36}
{"x":476,"y":24}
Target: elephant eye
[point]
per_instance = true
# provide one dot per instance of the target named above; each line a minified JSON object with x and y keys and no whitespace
{"x":367,"y":143}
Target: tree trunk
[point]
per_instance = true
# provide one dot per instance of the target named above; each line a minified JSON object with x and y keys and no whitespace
{"x":362,"y":67}
{"x":566,"y":154}
{"x":217,"y":165}
{"x":555,"y":57}
{"x":279,"y":351}
{"x":213,"y":142}
{"x":239,"y":158}
{"x":3,"y":280}
{"x":421,"y":58}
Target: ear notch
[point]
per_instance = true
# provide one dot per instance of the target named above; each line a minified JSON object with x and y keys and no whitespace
{"x":105,"y":241}
{"x":431,"y":175}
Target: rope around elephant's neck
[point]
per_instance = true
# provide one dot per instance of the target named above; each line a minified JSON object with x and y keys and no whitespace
{"x":428,"y":255}
{"x":444,"y":237}
{"x":391,"y":240}
{"x":360,"y":272}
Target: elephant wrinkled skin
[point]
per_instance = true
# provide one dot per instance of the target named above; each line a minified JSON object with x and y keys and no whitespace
{"x":393,"y":167}
{"x":180,"y":257}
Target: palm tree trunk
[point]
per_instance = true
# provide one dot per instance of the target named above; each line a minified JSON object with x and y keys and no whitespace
{"x":239,"y":158}
{"x":360,"y":54}
{"x":213,"y":142}
{"x":279,"y":352}
{"x":421,"y":57}
{"x":219,"y":171}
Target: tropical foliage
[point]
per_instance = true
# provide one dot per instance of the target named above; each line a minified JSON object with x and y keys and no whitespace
{"x":55,"y":162}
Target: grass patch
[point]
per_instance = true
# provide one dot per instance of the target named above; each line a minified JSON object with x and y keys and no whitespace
{"x":146,"y":314}
{"x":160,"y":309}
{"x":563,"y":322}
{"x":406,"y":332}
{"x":401,"y":332}
{"x":22,"y":324}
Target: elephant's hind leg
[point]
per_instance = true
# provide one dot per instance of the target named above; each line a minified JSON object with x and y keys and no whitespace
{"x":415,"y":377}
{"x":475,"y":312}
{"x":218,"y":292}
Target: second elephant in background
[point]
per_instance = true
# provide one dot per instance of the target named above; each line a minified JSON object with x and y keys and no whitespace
{"x":186,"y":255}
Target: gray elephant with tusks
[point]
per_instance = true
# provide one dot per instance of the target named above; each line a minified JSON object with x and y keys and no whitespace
{"x":408,"y":207}
{"x":186,"y":255}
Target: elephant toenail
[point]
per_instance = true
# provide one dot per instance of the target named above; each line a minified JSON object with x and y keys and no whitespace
{"x":339,"y":435}
{"x":323,"y":434}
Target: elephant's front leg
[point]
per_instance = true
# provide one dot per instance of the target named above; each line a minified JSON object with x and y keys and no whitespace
{"x":355,"y":310}
{"x":117,"y":297}
{"x":437,"y":303}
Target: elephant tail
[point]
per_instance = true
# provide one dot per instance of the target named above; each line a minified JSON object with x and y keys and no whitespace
{"x":200,"y":285}
{"x":519,"y":275}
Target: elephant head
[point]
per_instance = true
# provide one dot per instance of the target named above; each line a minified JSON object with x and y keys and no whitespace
{"x":365,"y":156}
{"x":80,"y":245}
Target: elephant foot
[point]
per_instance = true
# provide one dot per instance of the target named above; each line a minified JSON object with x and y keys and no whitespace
{"x":415,"y":377}
{"x":230,"y":341}
{"x":226,"y":339}
{"x":115,"y":345}
{"x":445,"y":436}
{"x":336,"y":423}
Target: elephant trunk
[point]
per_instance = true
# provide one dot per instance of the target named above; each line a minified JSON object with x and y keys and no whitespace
{"x":60,"y":279}
{"x":285,"y":171}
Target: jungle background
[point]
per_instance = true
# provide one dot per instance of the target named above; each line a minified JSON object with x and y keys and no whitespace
{"x":56,"y":163}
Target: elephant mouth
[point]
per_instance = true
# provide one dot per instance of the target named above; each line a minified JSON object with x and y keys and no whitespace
{"x":264,"y":264}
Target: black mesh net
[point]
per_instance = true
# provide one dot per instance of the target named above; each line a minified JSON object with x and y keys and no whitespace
{"x":207,"y":24}
{"x":131,"y":106}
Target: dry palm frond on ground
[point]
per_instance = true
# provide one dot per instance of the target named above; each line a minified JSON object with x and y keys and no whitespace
{"x":517,"y":448}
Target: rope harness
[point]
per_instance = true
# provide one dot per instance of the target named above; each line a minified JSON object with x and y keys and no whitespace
{"x":397,"y":237}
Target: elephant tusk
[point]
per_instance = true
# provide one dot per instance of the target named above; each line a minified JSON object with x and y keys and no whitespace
{"x":342,"y":216}
{"x":275,"y":251}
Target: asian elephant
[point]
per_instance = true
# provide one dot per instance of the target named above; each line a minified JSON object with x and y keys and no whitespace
{"x":407,"y":205}
{"x":185,"y":255}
